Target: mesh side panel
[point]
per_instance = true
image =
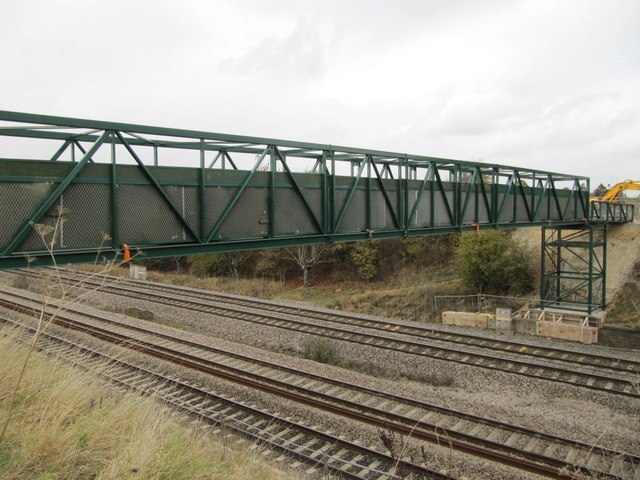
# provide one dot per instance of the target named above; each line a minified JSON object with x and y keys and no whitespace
{"x":423,"y":212}
{"x":18,"y":202}
{"x":249,"y":217}
{"x":555,"y":213}
{"x":82,"y":215}
{"x":314,"y":199}
{"x":145,"y":218}
{"x":521,"y":213}
{"x":441,"y":212}
{"x":571,"y":211}
{"x":470,"y":213}
{"x":216,"y":200}
{"x":355,"y":217}
{"x":507,"y":211}
{"x":381,"y":216}
{"x":483,"y":213}
{"x":186,"y":200}
{"x":292,"y":217}
{"x":542,"y":211}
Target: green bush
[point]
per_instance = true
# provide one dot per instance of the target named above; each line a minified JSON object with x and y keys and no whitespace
{"x":492,"y":262}
{"x":364,"y":256}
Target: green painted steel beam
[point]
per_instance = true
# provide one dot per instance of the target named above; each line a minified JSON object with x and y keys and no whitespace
{"x":67,"y":122}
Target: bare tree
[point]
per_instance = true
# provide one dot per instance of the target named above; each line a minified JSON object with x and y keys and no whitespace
{"x":235,"y":259}
{"x":307,"y":257}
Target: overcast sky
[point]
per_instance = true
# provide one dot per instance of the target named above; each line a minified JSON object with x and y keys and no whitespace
{"x":548,"y":84}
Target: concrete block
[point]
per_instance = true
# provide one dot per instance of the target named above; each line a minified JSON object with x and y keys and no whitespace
{"x":466,"y":319}
{"x":572,"y":332}
{"x":137,"y":272}
{"x":523,"y":325}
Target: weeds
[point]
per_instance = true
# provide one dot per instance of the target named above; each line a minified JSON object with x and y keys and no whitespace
{"x":66,"y":424}
{"x":321,"y":351}
{"x":20,"y":282}
{"x":59,"y":423}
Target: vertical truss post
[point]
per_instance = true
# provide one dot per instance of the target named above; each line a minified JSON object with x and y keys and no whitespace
{"x":573,"y":267}
{"x":368,"y":159}
{"x":272,"y":191}
{"x":202,"y":191}
{"x":332,"y":220}
{"x":324,"y":210}
{"x":115,"y":233}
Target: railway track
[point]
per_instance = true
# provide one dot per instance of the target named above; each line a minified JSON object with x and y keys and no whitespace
{"x":516,"y":446}
{"x":320,"y":450}
{"x":618,"y":376}
{"x":416,"y":331}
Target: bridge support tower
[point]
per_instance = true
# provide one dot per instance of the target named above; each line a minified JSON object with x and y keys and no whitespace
{"x":573,"y":267}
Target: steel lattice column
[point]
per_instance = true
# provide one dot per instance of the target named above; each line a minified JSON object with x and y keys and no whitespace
{"x":573,"y":267}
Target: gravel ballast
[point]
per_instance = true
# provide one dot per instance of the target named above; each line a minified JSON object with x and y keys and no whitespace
{"x":591,"y":417}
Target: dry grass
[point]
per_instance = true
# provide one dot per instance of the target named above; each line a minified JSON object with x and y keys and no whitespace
{"x":66,"y":425}
{"x":625,"y":309}
{"x":408,"y":294}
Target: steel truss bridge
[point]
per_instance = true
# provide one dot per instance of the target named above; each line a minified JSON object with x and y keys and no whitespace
{"x":78,"y":190}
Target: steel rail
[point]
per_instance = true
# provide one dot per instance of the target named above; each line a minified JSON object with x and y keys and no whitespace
{"x":332,"y":462}
{"x":353,"y":387}
{"x":356,"y":411}
{"x":519,"y":348}
{"x":593,"y":381}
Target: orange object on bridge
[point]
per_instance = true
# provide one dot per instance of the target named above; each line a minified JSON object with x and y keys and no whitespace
{"x":126,"y":253}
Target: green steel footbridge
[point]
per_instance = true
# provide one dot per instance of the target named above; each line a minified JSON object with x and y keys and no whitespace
{"x":84,"y":191}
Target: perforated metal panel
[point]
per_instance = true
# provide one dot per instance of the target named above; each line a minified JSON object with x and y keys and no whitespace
{"x":249,"y":218}
{"x":18,"y":201}
{"x":186,"y":200}
{"x":521,"y":209}
{"x":354,"y":219}
{"x":542,"y":209}
{"x":145,"y":218}
{"x":470,"y":213}
{"x":80,"y":219}
{"x":292,"y":217}
{"x":216,"y":200}
{"x":381,"y":216}
{"x":440,"y":208}
{"x":507,"y":211}
{"x":422,"y":216}
{"x":483,"y":212}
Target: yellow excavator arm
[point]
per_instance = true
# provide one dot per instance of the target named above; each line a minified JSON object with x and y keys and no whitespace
{"x":613,"y":192}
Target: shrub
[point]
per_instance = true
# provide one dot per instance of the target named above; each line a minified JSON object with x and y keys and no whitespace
{"x":321,"y":351}
{"x":492,"y":262}
{"x":364,"y":256}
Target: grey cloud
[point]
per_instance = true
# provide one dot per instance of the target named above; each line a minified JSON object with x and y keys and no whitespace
{"x":301,"y":54}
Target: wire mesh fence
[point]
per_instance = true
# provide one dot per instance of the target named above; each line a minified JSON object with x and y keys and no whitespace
{"x":479,"y":303}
